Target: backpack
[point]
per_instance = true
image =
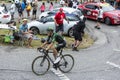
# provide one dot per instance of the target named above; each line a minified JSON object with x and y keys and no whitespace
{"x":28,"y":7}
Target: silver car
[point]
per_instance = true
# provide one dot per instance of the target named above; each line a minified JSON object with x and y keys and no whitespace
{"x":40,"y":26}
{"x":66,"y":10}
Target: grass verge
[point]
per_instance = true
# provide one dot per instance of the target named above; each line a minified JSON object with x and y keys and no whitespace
{"x":87,"y":40}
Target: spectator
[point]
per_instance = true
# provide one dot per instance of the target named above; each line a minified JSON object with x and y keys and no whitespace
{"x":112,"y":2}
{"x":42,"y":7}
{"x":23,"y":7}
{"x":17,"y":2}
{"x":99,"y":18}
{"x":59,"y":17}
{"x":25,"y":2}
{"x":70,"y":4}
{"x":26,"y":33}
{"x":62,"y":2}
{"x":35,"y":5}
{"x":3,"y":5}
{"x":117,"y":4}
{"x":51,"y":6}
{"x":28,"y":9}
{"x":66,"y":3}
{"x":20,"y":12}
{"x":75,"y":4}
{"x":78,"y":31}
{"x":12,"y":10}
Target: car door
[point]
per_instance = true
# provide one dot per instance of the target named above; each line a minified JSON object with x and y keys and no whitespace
{"x":89,"y":11}
{"x":47,"y":22}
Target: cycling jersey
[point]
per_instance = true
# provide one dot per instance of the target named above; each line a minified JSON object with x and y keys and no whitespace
{"x":55,"y":38}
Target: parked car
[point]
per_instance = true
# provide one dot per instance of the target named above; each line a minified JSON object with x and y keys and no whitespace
{"x":66,"y":10}
{"x":110,"y":15}
{"x":5,"y":16}
{"x":41,"y":25}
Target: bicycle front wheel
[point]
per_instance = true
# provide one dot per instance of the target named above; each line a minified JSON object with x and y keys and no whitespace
{"x":66,"y":63}
{"x":40,"y":65}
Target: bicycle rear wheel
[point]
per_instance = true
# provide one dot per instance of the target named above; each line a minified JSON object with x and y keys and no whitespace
{"x":40,"y":65}
{"x":66,"y":63}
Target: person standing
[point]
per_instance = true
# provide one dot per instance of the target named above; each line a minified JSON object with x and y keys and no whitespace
{"x":99,"y":18}
{"x":12,"y":10}
{"x":70,"y":3}
{"x":75,"y":4}
{"x":20,"y":12}
{"x":78,"y":31}
{"x":42,"y":7}
{"x":34,"y":12}
{"x":23,"y":5}
{"x":59,"y":17}
{"x":28,"y":9}
{"x":3,"y":5}
{"x":51,"y":6}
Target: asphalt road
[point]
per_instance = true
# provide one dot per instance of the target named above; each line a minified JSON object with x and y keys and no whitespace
{"x":101,"y":62}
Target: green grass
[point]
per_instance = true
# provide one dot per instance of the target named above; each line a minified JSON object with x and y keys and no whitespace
{"x":87,"y":40}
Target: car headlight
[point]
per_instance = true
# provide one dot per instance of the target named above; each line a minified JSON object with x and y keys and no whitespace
{"x":115,"y":17}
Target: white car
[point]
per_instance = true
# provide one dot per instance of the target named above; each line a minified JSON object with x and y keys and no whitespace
{"x":40,"y":26}
{"x":66,"y":10}
{"x":5,"y":16}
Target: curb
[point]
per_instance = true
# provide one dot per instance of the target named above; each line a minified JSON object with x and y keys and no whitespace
{"x":99,"y":37}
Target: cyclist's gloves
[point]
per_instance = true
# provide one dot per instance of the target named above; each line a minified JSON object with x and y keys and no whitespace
{"x":45,"y":51}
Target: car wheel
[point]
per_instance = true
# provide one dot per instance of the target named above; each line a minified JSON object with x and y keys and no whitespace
{"x":70,"y":32}
{"x":35,"y":30}
{"x":107,"y":21}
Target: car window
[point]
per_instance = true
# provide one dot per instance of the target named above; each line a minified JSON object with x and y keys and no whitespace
{"x":90,"y":6}
{"x":55,"y":10}
{"x":46,"y":19}
{"x":72,"y":18}
{"x":49,"y":19}
{"x":108,"y":8}
{"x":0,"y":13}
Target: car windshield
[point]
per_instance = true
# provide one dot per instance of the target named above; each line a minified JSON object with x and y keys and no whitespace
{"x":108,"y":8}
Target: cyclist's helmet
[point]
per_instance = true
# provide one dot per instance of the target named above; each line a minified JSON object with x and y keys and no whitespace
{"x":50,"y":29}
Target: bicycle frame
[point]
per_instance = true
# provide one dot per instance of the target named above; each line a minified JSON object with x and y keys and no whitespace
{"x":48,"y":57}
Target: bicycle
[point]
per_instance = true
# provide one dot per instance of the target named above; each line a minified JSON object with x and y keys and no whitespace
{"x":41,"y":64}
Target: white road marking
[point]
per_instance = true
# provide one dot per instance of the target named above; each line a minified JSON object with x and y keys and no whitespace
{"x":60,"y":74}
{"x":118,"y":50}
{"x":113,"y":64}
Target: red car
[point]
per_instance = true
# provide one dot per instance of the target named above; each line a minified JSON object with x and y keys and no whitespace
{"x":110,"y":15}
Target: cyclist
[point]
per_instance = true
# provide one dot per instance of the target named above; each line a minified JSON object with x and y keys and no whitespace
{"x":51,"y":40}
